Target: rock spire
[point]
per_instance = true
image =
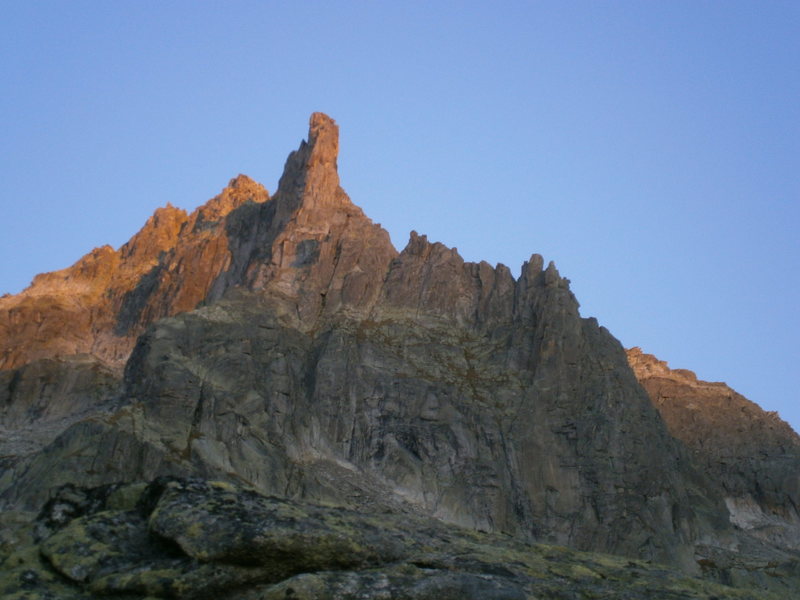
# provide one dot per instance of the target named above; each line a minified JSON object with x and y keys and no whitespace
{"x":310,"y":176}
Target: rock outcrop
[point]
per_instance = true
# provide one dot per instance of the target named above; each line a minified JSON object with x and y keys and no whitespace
{"x":301,"y":355}
{"x":752,"y":455}
{"x":205,"y":539}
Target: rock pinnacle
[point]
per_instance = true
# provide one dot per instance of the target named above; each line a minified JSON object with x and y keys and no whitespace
{"x":310,"y":178}
{"x":323,"y":137}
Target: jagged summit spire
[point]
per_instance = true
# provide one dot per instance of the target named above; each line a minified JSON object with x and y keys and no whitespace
{"x":323,"y":137}
{"x":310,"y":177}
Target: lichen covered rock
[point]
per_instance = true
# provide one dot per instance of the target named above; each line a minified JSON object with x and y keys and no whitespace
{"x":202,"y":539}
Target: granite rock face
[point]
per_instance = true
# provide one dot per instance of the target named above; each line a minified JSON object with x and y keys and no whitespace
{"x":42,"y":398}
{"x":99,"y":305}
{"x":751,"y":454}
{"x":65,"y":339}
{"x":304,"y":356}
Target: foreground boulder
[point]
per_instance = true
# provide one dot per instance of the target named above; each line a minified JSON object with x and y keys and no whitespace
{"x":191,"y":538}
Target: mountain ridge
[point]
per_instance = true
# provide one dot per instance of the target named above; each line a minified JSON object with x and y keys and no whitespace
{"x":97,"y":295}
{"x":752,"y":452}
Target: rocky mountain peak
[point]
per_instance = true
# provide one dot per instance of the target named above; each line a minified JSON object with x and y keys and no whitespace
{"x":239,"y":190}
{"x":284,"y":343}
{"x":158,"y":234}
{"x":241,"y":181}
{"x":323,"y":137}
{"x":310,"y":178}
{"x":102,"y":302}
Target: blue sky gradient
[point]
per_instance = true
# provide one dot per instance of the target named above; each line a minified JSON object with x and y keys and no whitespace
{"x":652,"y":150}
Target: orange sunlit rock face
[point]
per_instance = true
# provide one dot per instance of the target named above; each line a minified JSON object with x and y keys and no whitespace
{"x":100,"y":304}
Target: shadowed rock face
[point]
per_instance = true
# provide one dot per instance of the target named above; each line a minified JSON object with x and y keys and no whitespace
{"x":39,"y":400}
{"x":325,"y":365}
{"x":751,"y":454}
{"x":204,"y":539}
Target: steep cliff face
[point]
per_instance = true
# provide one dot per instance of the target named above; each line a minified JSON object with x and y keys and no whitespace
{"x":41,"y":399}
{"x":322,"y":364}
{"x":751,"y":454}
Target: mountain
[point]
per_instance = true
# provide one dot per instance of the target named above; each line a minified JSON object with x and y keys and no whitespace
{"x":284,"y":345}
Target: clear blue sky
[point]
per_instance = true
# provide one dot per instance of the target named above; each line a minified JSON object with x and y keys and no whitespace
{"x":651,"y":149}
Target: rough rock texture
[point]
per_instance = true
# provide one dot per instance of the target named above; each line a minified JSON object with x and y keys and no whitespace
{"x":64,"y":340}
{"x":324,"y":365}
{"x":201,"y":539}
{"x":41,"y":399}
{"x":751,"y":454}
{"x":99,"y":305}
